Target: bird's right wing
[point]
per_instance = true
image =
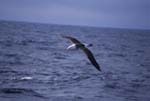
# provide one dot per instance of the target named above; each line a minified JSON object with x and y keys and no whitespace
{"x":91,"y":57}
{"x":74,"y":40}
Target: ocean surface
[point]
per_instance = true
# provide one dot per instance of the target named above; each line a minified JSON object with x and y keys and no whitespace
{"x":35,"y":65}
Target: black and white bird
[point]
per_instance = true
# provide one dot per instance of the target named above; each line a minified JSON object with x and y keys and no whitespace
{"x":77,"y":44}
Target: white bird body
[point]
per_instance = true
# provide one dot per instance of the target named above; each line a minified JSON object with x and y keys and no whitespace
{"x":73,"y":46}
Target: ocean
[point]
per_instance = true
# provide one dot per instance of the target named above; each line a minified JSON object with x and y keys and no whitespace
{"x":35,"y":65}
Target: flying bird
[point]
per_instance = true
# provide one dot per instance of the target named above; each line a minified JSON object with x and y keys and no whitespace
{"x":77,"y":44}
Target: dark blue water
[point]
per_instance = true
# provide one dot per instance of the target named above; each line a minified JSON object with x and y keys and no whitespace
{"x":35,"y":65}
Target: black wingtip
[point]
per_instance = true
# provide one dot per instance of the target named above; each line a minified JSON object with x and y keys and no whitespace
{"x":99,"y":69}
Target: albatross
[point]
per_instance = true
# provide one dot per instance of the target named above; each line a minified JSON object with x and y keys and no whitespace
{"x":77,"y":44}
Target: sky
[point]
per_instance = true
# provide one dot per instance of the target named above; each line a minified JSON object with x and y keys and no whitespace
{"x":101,"y":13}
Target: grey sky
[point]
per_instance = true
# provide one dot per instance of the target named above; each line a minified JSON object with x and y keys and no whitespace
{"x":103,"y":13}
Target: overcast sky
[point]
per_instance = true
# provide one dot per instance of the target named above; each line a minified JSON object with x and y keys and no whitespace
{"x":102,"y":13}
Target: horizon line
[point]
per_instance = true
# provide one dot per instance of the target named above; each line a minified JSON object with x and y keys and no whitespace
{"x":75,"y":25}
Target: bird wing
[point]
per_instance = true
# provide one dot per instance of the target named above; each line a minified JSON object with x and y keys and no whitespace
{"x":74,"y":40}
{"x":91,"y":57}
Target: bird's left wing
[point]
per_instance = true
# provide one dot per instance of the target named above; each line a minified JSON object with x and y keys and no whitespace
{"x":91,"y":57}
